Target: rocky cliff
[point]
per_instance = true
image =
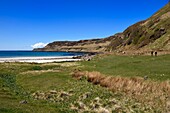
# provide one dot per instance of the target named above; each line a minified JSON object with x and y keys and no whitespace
{"x":150,"y":34}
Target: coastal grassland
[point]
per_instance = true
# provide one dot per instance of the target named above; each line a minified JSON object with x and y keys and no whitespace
{"x":44,"y":88}
{"x":155,"y":68}
{"x":144,"y":78}
{"x":50,"y":87}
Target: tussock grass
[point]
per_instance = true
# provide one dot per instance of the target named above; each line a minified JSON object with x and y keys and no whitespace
{"x":156,"y":94}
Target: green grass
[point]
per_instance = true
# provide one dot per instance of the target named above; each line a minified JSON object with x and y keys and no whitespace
{"x":18,"y":81}
{"x":156,"y":68}
{"x":18,"y":84}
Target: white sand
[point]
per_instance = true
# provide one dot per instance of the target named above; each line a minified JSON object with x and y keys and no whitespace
{"x":39,"y":59}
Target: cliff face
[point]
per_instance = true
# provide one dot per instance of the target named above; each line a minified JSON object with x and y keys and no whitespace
{"x":153,"y":33}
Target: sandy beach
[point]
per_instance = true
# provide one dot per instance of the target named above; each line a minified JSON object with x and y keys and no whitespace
{"x":39,"y":59}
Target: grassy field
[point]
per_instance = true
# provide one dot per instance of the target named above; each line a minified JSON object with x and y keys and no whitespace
{"x":156,"y":68}
{"x":48,"y":88}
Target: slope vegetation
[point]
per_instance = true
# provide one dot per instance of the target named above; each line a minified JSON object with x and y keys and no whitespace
{"x":153,"y":33}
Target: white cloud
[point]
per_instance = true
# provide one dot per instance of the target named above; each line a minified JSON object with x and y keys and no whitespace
{"x":39,"y":45}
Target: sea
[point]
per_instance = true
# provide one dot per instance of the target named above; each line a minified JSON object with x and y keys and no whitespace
{"x":13,"y":54}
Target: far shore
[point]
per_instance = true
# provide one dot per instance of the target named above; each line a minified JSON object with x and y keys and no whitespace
{"x":39,"y":59}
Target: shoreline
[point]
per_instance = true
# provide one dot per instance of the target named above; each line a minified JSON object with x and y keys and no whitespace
{"x":84,"y":52}
{"x":40,"y":59}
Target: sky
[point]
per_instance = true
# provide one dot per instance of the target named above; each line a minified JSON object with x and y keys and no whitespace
{"x":27,"y":24}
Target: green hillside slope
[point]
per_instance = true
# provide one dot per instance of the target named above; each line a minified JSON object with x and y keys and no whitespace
{"x":153,"y":33}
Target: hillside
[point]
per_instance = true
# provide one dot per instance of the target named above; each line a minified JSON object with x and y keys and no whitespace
{"x":93,"y":45}
{"x":153,"y":33}
{"x":150,"y":34}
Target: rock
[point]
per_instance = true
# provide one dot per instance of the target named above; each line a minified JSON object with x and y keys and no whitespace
{"x":145,"y":77}
{"x":53,"y":91}
{"x":97,"y":99}
{"x":34,"y":94}
{"x":60,"y":100}
{"x":123,"y":52}
{"x":86,"y":95}
{"x":72,"y":107}
{"x":117,"y":107}
{"x":77,"y":57}
{"x":64,"y":94}
{"x":113,"y":101}
{"x":103,"y":110}
{"x":23,"y":102}
{"x":81,"y":105}
{"x":41,"y":96}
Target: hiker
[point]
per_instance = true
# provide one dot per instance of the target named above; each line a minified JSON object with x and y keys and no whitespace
{"x":151,"y":53}
{"x":156,"y":53}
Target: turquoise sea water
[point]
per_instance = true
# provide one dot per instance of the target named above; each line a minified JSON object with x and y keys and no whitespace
{"x":11,"y":54}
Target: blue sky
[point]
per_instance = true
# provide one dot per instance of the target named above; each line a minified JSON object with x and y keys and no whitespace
{"x":26,"y":22}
